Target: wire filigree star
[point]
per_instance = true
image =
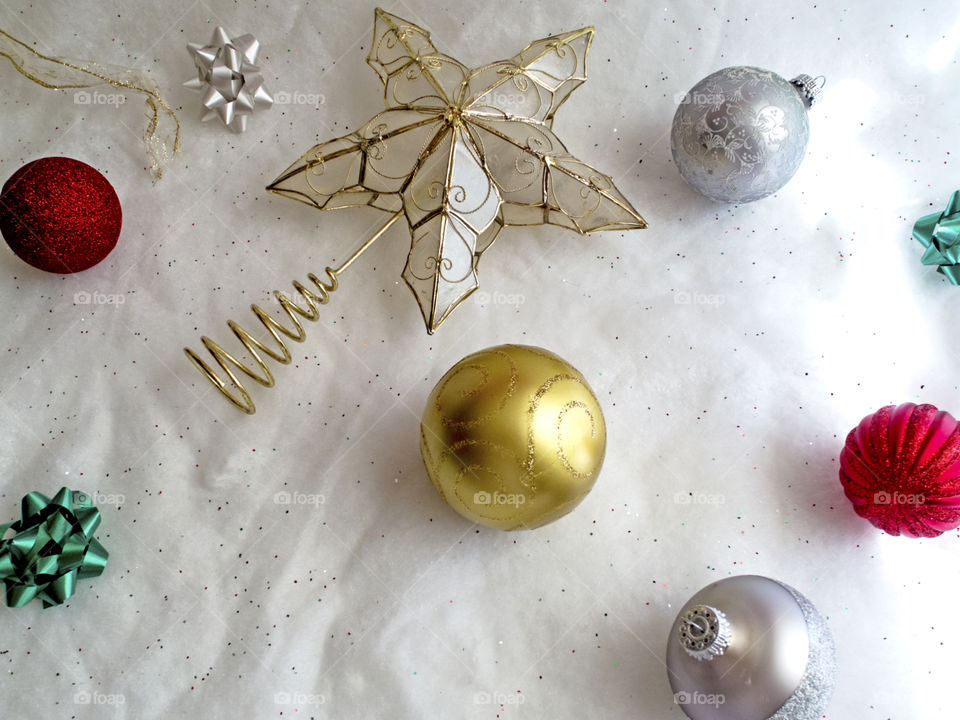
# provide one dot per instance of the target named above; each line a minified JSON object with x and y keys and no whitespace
{"x":462,"y":153}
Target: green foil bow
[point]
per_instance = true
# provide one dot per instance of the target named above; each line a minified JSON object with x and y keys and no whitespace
{"x":53,"y":547}
{"x":940,"y":235}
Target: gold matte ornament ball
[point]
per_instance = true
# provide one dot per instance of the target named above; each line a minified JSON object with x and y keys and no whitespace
{"x":513,"y":437}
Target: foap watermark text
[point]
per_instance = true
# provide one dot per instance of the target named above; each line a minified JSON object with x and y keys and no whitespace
{"x":98,"y":298}
{"x":483,"y":497}
{"x":298,"y":498}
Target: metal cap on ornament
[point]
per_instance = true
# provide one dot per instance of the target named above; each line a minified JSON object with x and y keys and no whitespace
{"x":704,"y":632}
{"x":810,"y":88}
{"x":750,"y":648}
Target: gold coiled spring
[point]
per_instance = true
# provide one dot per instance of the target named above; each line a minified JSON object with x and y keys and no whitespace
{"x":260,"y":373}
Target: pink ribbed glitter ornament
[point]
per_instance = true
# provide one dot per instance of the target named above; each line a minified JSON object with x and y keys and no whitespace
{"x":900,"y":468}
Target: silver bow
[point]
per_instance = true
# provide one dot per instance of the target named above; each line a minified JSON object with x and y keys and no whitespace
{"x":232,"y":85}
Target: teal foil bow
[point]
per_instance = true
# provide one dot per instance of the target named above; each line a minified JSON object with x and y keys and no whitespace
{"x":940,"y":235}
{"x":52,"y":547}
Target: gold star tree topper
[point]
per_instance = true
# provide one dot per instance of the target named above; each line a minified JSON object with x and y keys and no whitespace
{"x":462,"y":153}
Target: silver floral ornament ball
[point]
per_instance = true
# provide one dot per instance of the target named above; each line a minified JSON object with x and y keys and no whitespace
{"x":741,"y":133}
{"x":750,"y":648}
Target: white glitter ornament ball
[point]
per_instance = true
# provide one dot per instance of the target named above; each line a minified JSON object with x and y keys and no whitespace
{"x":750,"y":648}
{"x":741,"y":133}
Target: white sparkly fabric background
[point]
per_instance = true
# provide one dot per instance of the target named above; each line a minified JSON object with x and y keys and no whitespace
{"x":732,"y":348}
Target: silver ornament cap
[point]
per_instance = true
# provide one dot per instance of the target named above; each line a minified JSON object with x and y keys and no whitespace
{"x":810,"y":88}
{"x":750,"y":648}
{"x":704,"y":632}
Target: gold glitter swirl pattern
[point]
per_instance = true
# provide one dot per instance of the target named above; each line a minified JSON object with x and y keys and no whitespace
{"x":513,"y":437}
{"x":561,"y":450}
{"x":479,"y":394}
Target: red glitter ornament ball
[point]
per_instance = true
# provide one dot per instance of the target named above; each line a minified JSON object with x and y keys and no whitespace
{"x":900,"y":468}
{"x":60,"y":215}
